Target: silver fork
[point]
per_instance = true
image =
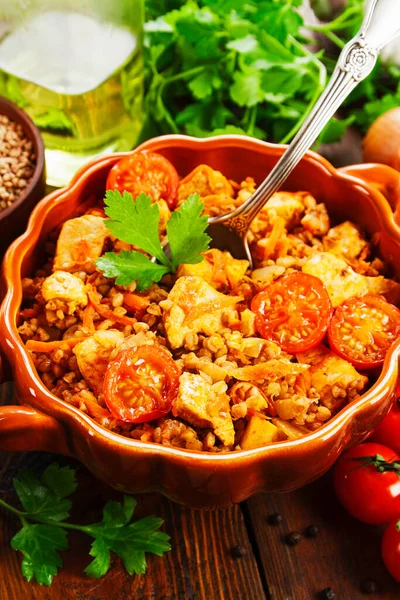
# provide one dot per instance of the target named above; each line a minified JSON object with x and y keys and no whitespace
{"x":380,"y":26}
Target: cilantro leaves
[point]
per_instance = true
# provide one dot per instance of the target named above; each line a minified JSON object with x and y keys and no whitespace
{"x":40,"y":545}
{"x":128,"y":266}
{"x":186,"y":233}
{"x":128,"y":540}
{"x":212,"y":68}
{"x":47,"y":506}
{"x":136,"y":222}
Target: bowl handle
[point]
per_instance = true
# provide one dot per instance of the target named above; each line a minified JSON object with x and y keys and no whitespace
{"x":383,"y":178}
{"x":23,"y":428}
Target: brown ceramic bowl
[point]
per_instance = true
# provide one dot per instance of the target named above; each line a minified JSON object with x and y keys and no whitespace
{"x":201,"y":480}
{"x":14,"y":218}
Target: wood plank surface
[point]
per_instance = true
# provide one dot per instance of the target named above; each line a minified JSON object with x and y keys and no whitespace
{"x":199,"y":567}
{"x":344,"y":553}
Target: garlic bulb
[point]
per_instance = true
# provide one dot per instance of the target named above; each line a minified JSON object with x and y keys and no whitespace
{"x":382,"y":142}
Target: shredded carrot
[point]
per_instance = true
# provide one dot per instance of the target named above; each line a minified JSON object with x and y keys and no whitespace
{"x":87,"y":318}
{"x":136,"y":302}
{"x":38,"y":346}
{"x":278,"y":230}
{"x":218,"y":263}
{"x":30,"y":313}
{"x":107,"y":313}
{"x":95,"y":410}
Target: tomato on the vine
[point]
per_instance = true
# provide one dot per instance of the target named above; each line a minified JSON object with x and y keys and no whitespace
{"x":294,"y":311}
{"x":141,"y":384}
{"x":367,"y":483}
{"x":391,"y":549}
{"x":146,"y":172}
{"x":388,"y":430}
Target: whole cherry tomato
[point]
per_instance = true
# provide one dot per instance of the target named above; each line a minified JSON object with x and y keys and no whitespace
{"x":294,"y":311}
{"x":391,"y":549}
{"x":146,"y":172}
{"x":363,"y":329}
{"x":367,"y":483}
{"x":141,"y":384}
{"x":388,"y":430}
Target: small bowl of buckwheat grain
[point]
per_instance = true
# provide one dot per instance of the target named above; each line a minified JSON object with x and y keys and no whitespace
{"x":22,"y":170}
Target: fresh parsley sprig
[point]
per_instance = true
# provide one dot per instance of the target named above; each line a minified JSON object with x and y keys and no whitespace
{"x":44,"y":531}
{"x":136,"y":222}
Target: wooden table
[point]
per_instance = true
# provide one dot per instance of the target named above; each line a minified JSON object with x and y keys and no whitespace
{"x":204,"y":563}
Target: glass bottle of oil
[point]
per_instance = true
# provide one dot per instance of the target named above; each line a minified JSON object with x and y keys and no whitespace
{"x":76,"y":68}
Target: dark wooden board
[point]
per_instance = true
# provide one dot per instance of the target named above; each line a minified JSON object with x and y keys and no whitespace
{"x":343,"y":554}
{"x":200,"y":566}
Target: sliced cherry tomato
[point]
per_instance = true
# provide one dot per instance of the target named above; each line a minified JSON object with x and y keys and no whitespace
{"x":363,"y":329}
{"x":390,"y":549}
{"x":367,"y":486}
{"x":388,"y":430}
{"x":141,"y":384}
{"x":294,"y":311}
{"x":146,"y":172}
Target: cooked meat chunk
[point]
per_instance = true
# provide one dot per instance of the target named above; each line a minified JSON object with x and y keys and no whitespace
{"x":343,"y":283}
{"x":201,"y":406}
{"x":270,"y":370}
{"x":386,"y":287}
{"x":290,"y":207}
{"x":313,"y":356}
{"x":336,"y":381}
{"x":345,"y":240}
{"x":194,"y":306}
{"x":218,"y":268}
{"x":316,"y":221}
{"x":93,"y":355}
{"x":203,"y":180}
{"x":80,"y":243}
{"x":338,"y":277}
{"x":258,"y":432}
{"x":67,"y":288}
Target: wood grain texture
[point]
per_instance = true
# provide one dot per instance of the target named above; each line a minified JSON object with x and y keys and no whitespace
{"x":343,"y":554}
{"x":200,"y":566}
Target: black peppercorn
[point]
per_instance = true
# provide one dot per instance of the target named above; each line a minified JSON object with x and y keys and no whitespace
{"x":369,"y":586}
{"x":327,"y":594}
{"x":238,"y":551}
{"x":312,"y":531}
{"x":275,"y":519}
{"x":293,"y":538}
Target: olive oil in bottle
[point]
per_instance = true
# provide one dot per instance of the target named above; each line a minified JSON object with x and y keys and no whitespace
{"x":80,"y":79}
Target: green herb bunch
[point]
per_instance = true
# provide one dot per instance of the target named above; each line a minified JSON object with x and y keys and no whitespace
{"x":229,"y":66}
{"x":44,"y":531}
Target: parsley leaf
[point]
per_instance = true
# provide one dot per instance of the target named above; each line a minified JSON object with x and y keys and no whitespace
{"x":41,"y":542}
{"x":131,"y":266}
{"x":45,"y":498}
{"x":130,"y":541}
{"x":135,"y":222}
{"x":207,"y":55}
{"x":186,"y":232}
{"x":39,"y":545}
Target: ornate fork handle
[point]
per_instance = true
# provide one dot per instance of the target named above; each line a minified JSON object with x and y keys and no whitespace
{"x":356,"y":61}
